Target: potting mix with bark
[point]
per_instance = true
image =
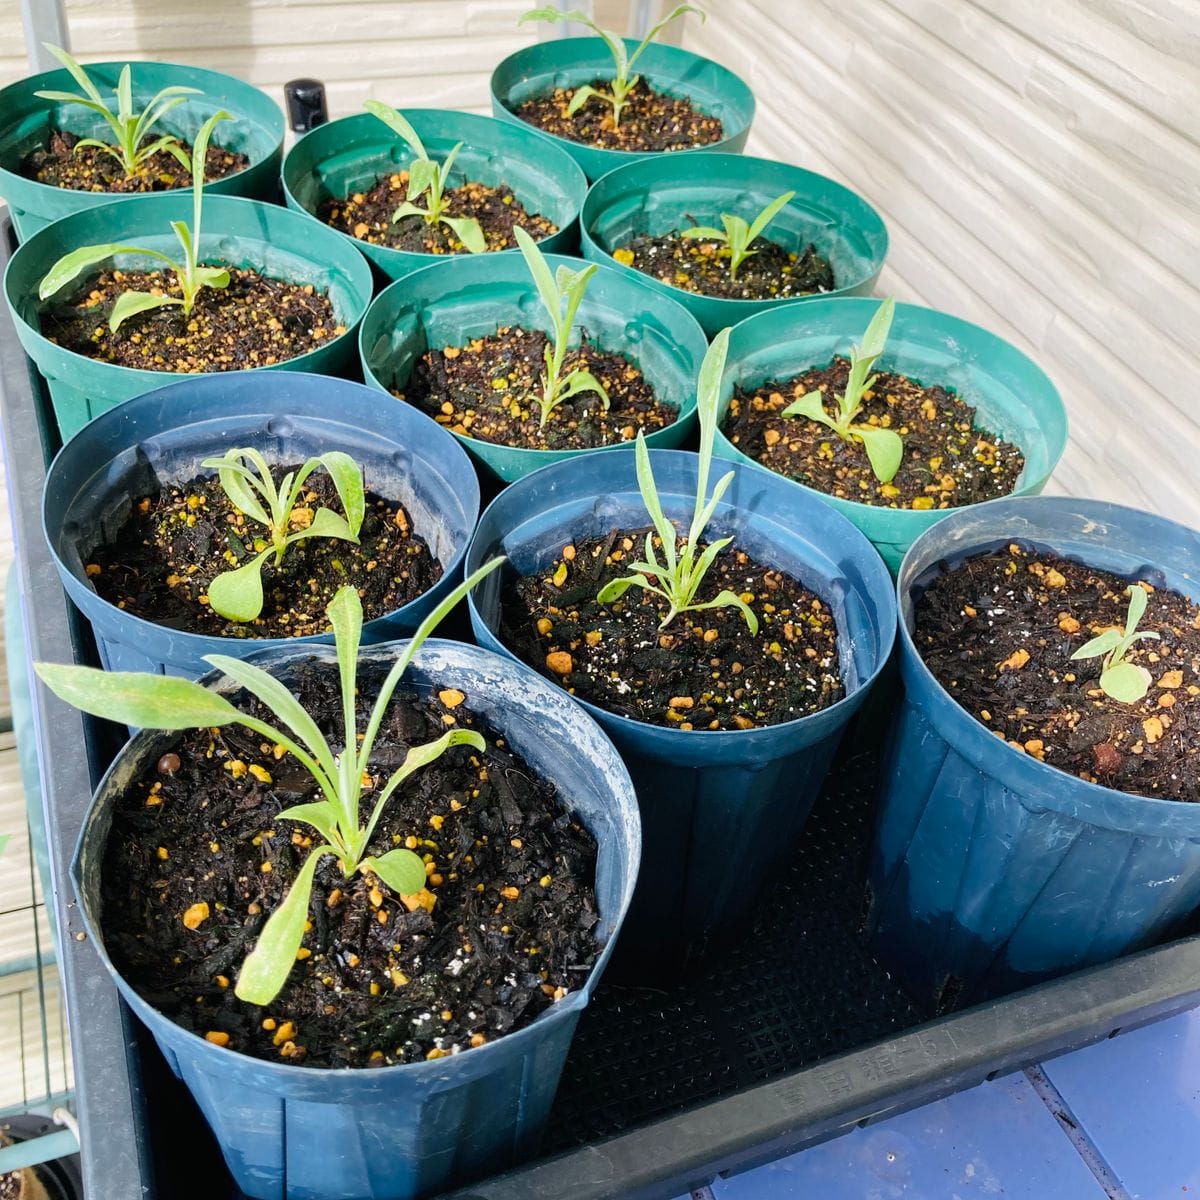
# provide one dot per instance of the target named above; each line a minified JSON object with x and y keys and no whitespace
{"x":163,"y":557}
{"x":503,"y":929}
{"x":949,"y":459}
{"x":489,"y":389}
{"x":998,"y":632}
{"x":705,"y":670}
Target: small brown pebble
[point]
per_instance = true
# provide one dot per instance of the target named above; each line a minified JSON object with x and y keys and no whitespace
{"x":196,"y":915}
{"x":559,"y":661}
{"x":1152,"y":727}
{"x":218,"y":1037}
{"x":1015,"y":661}
{"x":1171,"y":679}
{"x":284,"y":1033}
{"x":680,"y":702}
{"x":1054,"y":579}
{"x":510,"y":893}
{"x":568,"y":553}
{"x":451,"y":697}
{"x":1067,"y":623}
{"x":1107,"y":758}
{"x":169,"y":764}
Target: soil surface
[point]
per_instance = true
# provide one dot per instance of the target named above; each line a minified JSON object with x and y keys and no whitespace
{"x":998,"y":632}
{"x":10,"y":1185}
{"x":92,"y":170}
{"x":948,"y":460}
{"x":254,"y":322}
{"x":489,"y":389}
{"x":702,"y":267}
{"x":162,"y":560}
{"x":705,"y":670}
{"x":368,"y":217}
{"x":502,"y":931}
{"x":650,"y":120}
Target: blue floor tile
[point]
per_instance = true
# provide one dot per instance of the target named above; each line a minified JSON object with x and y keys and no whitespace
{"x":1138,"y":1099}
{"x":996,"y":1140}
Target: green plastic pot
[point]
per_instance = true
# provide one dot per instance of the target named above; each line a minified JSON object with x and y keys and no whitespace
{"x":27,"y":120}
{"x":242,"y":233}
{"x":1012,"y":394}
{"x":676,"y":191}
{"x":463,"y":297}
{"x":569,"y":62}
{"x":352,"y":154}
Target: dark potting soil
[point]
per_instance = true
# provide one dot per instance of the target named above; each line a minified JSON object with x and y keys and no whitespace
{"x":368,"y":216}
{"x":164,"y":557}
{"x":948,"y":460}
{"x":998,"y":632}
{"x":60,"y":165}
{"x":705,"y":670}
{"x":254,"y":322}
{"x":502,"y":931}
{"x":702,"y":267}
{"x":10,"y":1185}
{"x":650,"y":120}
{"x":489,"y":389}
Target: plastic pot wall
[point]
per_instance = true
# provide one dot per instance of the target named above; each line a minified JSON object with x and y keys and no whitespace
{"x":675,"y":191}
{"x":990,"y":870}
{"x":464,"y":298}
{"x":164,"y":435}
{"x":721,"y":811}
{"x":352,"y":154}
{"x":242,"y":233}
{"x":571,"y":62}
{"x":257,"y":133}
{"x":395,"y":1133}
{"x":1012,"y":395}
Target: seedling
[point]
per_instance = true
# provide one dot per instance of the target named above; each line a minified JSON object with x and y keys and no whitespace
{"x":167,"y":702}
{"x":190,"y":275}
{"x":1123,"y":681}
{"x":738,"y":236}
{"x":246,"y":479}
{"x":428,"y":178}
{"x":623,"y":83}
{"x":884,"y":448}
{"x":561,"y":295}
{"x":130,"y":129}
{"x":678,"y":576}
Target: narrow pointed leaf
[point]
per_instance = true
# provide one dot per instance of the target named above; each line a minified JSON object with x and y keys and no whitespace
{"x":583,"y":381}
{"x":581,"y":96}
{"x":408,"y":209}
{"x":232,"y":477}
{"x":767,"y":215}
{"x":268,"y":965}
{"x":649,"y":489}
{"x":398,"y":124}
{"x":810,"y":405}
{"x":322,"y":816}
{"x":727,"y":599}
{"x":125,"y":95}
{"x":422,"y":174}
{"x":72,"y":265}
{"x":1101,"y":644}
{"x":138,"y":699}
{"x":614,"y":589}
{"x":678,"y":11}
{"x":238,"y":595}
{"x":213,"y":277}
{"x":347,"y":478}
{"x":469,"y":232}
{"x":704,"y":231}
{"x":77,"y":72}
{"x":1137,"y":607}
{"x":402,"y":870}
{"x":325,"y":523}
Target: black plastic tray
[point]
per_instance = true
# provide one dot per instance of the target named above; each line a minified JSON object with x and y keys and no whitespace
{"x":795,"y":1037}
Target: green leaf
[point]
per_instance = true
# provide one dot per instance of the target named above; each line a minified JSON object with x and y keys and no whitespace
{"x":704,"y":231}
{"x":97,"y":106}
{"x":346,"y":616}
{"x":581,"y":96}
{"x":213,"y":277}
{"x":238,"y":595}
{"x":583,"y":381}
{"x":876,"y":335}
{"x":1125,"y":682}
{"x":422,"y":175}
{"x":77,"y":73}
{"x":614,"y":589}
{"x":327,"y":524}
{"x":708,"y":398}
{"x":235,"y":481}
{"x":268,"y":965}
{"x":148,"y":151}
{"x":550,"y":13}
{"x":347,"y":479}
{"x":703,"y":563}
{"x":125,"y":97}
{"x":1137,"y":608}
{"x":1102,"y":644}
{"x":71,"y":266}
{"x":678,"y":11}
{"x":398,"y":124}
{"x":767,"y":215}
{"x":547,"y":288}
{"x":469,"y":232}
{"x":129,"y":304}
{"x":885,"y":450}
{"x":141,"y":700}
{"x":402,"y":870}
{"x":649,"y":489}
{"x":282,"y":704}
{"x":321,"y":815}
{"x":812,"y":406}
{"x":727,"y":599}
{"x":199,"y":159}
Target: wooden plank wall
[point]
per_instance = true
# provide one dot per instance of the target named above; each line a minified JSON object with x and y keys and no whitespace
{"x":1038,"y":165}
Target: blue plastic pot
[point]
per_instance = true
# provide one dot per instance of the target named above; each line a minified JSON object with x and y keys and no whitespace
{"x":991,"y":870}
{"x":463,"y":298}
{"x":1012,"y":394}
{"x":396,"y":1133}
{"x":673,"y":191}
{"x":570,"y":62}
{"x":257,"y":133}
{"x":721,"y":810}
{"x":352,"y":154}
{"x":240,"y":233}
{"x":289,"y":416}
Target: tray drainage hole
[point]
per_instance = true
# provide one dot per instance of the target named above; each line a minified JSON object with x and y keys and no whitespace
{"x":279,"y":427}
{"x":990,"y":1076}
{"x":1112,"y":1033}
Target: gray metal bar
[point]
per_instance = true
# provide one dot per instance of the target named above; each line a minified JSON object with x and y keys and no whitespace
{"x":44,"y":21}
